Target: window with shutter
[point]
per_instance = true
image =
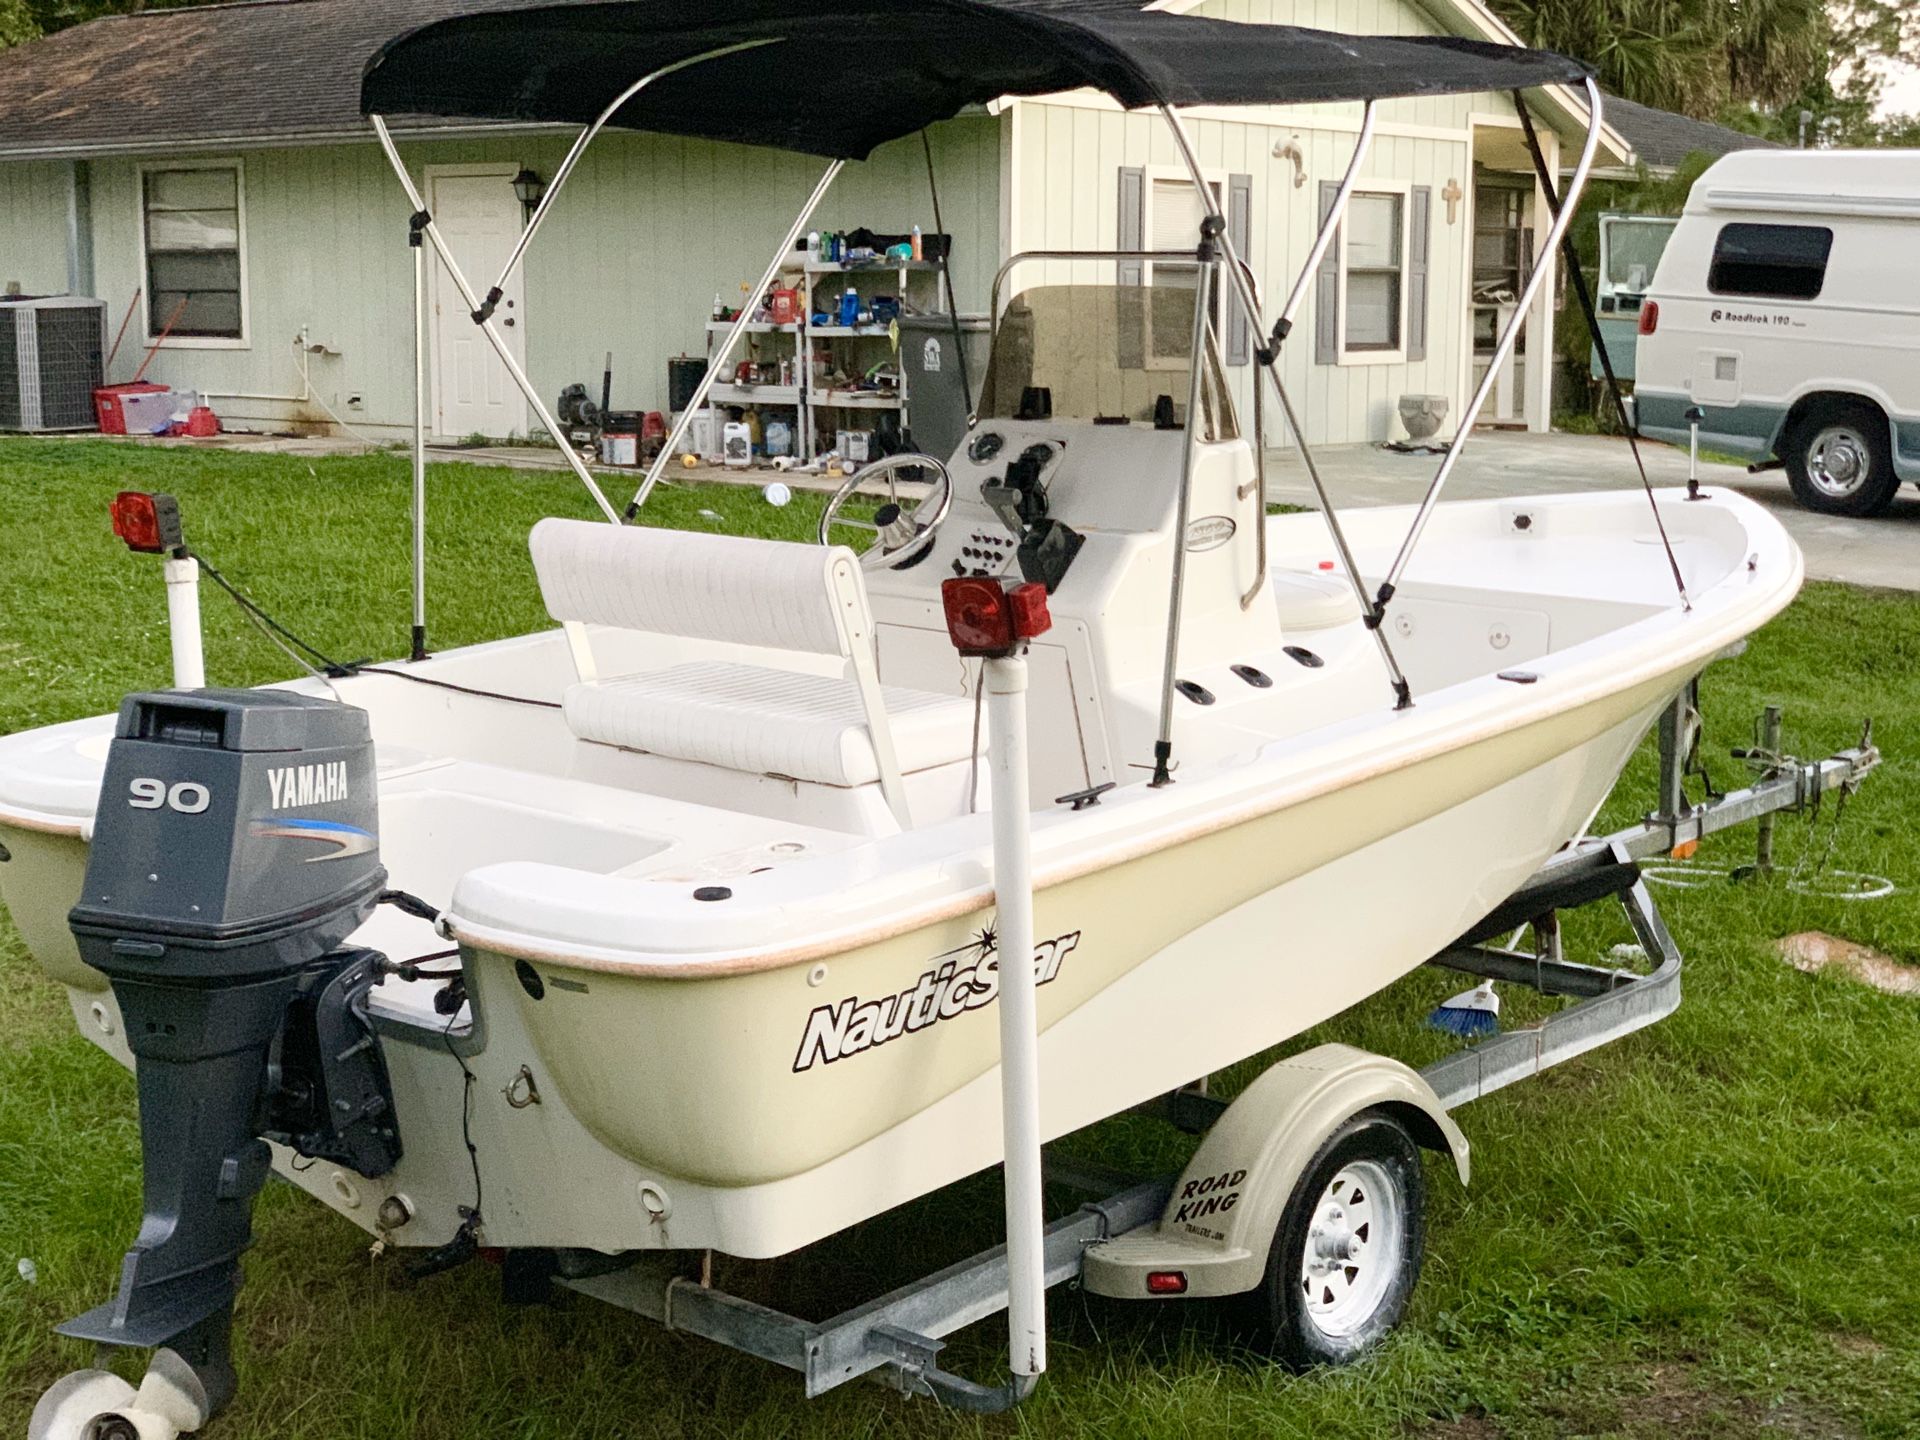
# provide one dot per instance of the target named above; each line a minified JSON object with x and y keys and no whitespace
{"x":1174,"y":214}
{"x":191,"y":222}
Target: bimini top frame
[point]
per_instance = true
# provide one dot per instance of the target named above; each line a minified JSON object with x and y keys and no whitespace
{"x":717,"y":69}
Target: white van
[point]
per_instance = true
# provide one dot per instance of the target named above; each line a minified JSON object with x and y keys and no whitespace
{"x":1787,"y":308}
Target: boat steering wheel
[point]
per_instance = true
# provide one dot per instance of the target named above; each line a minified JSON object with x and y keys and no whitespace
{"x":902,"y":534}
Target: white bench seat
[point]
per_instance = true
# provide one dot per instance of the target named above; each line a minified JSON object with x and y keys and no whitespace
{"x":772,"y":722}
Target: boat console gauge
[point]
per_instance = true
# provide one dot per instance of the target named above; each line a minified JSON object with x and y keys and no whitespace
{"x":984,"y":446}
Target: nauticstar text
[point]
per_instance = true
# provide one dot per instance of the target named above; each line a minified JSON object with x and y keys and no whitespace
{"x":955,"y":983}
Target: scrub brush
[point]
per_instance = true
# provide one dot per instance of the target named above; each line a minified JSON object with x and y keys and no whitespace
{"x":1471,"y":1013}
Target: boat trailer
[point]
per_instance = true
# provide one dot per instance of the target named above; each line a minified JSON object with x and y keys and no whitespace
{"x":897,"y":1338}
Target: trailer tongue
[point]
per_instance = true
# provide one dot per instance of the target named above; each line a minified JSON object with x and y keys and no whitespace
{"x":236,"y":849}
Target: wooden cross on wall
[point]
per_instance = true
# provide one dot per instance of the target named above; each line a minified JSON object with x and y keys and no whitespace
{"x":1453,"y":195}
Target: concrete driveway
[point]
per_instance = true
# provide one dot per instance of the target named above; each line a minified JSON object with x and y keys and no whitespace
{"x":1883,"y":552}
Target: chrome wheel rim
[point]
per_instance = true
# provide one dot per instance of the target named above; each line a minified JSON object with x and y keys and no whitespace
{"x":1838,"y":461}
{"x":1355,"y":1246}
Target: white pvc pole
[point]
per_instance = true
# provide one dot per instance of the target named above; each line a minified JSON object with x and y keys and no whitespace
{"x":183,"y":622}
{"x":1006,"y":681}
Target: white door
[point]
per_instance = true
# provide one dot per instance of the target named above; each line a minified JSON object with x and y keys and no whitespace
{"x":480,"y":217}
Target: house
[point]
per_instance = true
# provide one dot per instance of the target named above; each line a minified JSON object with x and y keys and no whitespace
{"x":210,"y":167}
{"x":1662,"y":141}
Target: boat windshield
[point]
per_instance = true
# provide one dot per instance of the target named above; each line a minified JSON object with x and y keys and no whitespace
{"x":1116,"y":354}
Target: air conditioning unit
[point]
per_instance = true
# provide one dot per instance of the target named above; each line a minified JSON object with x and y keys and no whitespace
{"x":51,"y":349}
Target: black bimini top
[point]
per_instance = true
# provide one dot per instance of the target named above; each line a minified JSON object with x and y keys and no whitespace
{"x":840,"y":77}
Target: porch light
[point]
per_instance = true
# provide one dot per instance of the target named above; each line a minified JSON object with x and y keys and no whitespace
{"x":529,"y":187}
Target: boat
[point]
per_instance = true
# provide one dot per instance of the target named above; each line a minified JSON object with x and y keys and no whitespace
{"x":677,"y":927}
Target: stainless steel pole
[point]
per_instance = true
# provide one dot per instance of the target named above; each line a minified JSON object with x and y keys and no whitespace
{"x":585,"y":138}
{"x":1259,"y":489}
{"x":419,"y":651}
{"x":1548,"y":249}
{"x":494,"y":338}
{"x":1196,"y":403}
{"x":1328,"y":226}
{"x":1243,"y":287}
{"x":732,"y":339}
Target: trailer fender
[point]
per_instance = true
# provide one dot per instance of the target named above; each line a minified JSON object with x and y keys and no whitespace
{"x":1219,"y":1223}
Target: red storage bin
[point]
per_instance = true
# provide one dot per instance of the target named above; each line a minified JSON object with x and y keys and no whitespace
{"x":109,"y":405}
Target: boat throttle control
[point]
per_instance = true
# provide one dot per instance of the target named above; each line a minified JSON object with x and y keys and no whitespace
{"x":1047,"y":546}
{"x":234,"y":850}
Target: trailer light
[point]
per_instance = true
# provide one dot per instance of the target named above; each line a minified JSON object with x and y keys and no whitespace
{"x":148,"y":524}
{"x":984,"y":617}
{"x":1030,"y":615}
{"x":1649,"y":317}
{"x":1166,"y":1282}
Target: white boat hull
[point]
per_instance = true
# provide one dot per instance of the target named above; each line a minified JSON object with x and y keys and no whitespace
{"x":750,"y":1077}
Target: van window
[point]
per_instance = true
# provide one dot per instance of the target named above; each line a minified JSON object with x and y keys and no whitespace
{"x":1776,"y":262}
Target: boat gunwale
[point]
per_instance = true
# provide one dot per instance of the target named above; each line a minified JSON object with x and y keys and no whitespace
{"x":1542,"y":703}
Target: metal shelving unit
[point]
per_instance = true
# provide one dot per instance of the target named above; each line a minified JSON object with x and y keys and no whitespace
{"x":817,"y":408}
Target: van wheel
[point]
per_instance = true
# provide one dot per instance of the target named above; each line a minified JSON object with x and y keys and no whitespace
{"x":1839,"y":461}
{"x":1348,"y":1248}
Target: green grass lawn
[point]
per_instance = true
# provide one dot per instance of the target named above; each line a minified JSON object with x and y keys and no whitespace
{"x":1711,"y":1229}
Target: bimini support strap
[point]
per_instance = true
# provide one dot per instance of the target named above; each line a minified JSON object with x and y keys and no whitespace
{"x":1503,"y":349}
{"x":1268,"y":357}
{"x":494,"y":338}
{"x":1585,"y":296}
{"x":727,"y":345}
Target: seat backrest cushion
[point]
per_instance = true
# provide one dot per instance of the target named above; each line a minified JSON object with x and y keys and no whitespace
{"x":771,"y":593}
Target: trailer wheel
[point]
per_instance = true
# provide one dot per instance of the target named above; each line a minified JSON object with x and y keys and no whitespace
{"x":1839,"y":461}
{"x":1348,"y":1248}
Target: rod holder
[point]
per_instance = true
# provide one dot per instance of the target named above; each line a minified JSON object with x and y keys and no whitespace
{"x":1005,"y":678}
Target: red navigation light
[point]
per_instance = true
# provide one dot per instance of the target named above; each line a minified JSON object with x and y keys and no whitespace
{"x":1649,"y":316}
{"x":149,"y":524}
{"x":1166,"y":1282}
{"x":986,"y":618}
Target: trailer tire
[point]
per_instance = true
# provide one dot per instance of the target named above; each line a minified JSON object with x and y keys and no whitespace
{"x":1347,"y":1251}
{"x":1839,"y":460}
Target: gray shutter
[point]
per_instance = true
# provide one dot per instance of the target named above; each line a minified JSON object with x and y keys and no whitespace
{"x":1133,"y":209}
{"x":1420,"y":223}
{"x":1326,"y":289}
{"x":1240,"y":233}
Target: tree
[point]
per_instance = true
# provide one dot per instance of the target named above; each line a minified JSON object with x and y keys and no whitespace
{"x":1754,"y":64}
{"x":16,"y":23}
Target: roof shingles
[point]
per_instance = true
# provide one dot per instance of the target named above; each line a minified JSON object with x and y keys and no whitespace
{"x":259,"y":71}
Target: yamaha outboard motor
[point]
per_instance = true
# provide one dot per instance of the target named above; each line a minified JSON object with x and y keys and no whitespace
{"x":235,"y":849}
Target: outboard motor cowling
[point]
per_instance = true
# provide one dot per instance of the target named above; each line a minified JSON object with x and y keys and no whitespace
{"x":235,"y":848}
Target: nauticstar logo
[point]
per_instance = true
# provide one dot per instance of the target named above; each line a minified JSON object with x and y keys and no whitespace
{"x":956,"y":982}
{"x":294,"y":785}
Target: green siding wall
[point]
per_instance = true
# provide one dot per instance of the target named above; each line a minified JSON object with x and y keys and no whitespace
{"x":33,"y":227}
{"x":647,"y":231}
